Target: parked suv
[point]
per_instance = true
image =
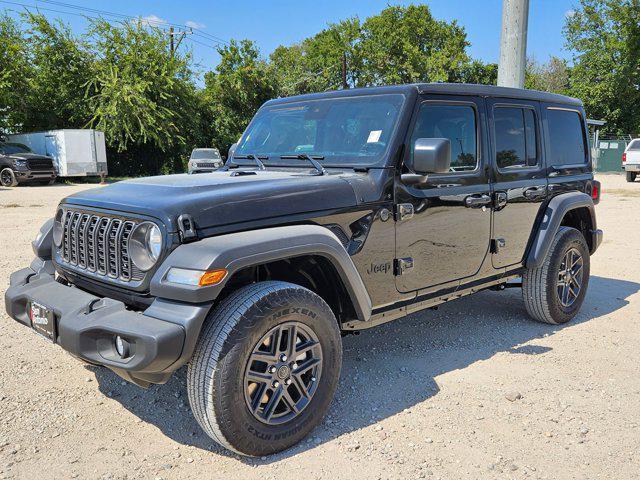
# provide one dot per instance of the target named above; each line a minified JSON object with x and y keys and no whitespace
{"x":18,"y":164}
{"x":631,"y":160}
{"x":337,"y":212}
{"x":204,"y":160}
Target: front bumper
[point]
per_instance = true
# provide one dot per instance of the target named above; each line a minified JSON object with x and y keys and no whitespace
{"x":34,"y":175}
{"x":160,"y":338}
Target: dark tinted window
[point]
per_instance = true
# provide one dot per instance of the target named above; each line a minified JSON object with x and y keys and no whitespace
{"x":566,"y":137}
{"x":516,"y":137}
{"x":455,"y":122}
{"x":12,"y":148}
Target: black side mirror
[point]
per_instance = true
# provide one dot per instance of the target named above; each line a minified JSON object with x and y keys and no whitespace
{"x":430,"y":155}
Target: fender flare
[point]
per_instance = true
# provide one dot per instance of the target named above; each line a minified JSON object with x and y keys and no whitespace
{"x":236,"y":251}
{"x":555,"y":212}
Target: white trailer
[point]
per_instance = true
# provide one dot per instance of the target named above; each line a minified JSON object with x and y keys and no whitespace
{"x":76,"y":153}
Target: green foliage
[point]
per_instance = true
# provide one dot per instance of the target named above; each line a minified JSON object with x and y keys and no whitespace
{"x":552,"y":76}
{"x":61,"y":66}
{"x":605,"y":36}
{"x":14,"y":70}
{"x":241,"y":83}
{"x":399,"y":45}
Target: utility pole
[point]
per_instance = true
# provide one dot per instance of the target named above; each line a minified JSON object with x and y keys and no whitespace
{"x":345,"y":85}
{"x":173,"y":46}
{"x":513,"y":43}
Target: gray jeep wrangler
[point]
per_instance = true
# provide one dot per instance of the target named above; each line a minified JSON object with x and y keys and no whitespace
{"x":336,"y":212}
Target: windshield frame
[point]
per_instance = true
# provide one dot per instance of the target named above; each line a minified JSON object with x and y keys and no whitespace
{"x":380,"y":161}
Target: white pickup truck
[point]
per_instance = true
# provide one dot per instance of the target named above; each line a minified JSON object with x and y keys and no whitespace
{"x":631,"y":160}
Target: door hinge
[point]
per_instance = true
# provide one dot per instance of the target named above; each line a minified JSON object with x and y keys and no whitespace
{"x":402,"y":266}
{"x":404,"y":211}
{"x":497,"y":244}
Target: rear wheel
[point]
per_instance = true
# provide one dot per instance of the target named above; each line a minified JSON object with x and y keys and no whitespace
{"x":8,"y":178}
{"x":266,"y":367}
{"x":631,"y":176}
{"x":554,"y":291}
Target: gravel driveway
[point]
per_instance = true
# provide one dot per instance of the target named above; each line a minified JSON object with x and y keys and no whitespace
{"x":472,"y":390}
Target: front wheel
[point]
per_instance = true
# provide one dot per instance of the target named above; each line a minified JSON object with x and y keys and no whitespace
{"x":265,"y":368}
{"x":631,"y":176}
{"x":554,"y":291}
{"x":8,"y":178}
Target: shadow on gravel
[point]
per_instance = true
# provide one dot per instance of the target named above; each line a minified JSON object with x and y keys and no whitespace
{"x":389,"y":368}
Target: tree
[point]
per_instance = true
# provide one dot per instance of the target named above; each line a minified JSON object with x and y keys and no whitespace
{"x":406,"y":45}
{"x":61,"y":67}
{"x":15,"y":69}
{"x":240,"y":84}
{"x":552,"y":76}
{"x":605,"y":38}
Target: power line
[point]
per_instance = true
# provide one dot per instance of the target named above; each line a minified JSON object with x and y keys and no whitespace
{"x":159,"y":22}
{"x":156,"y":23}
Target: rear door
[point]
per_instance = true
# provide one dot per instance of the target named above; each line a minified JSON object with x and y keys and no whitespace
{"x":520,"y":181}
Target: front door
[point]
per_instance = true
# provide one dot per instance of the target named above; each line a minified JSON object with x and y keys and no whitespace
{"x":520,"y":187}
{"x":443,"y":225}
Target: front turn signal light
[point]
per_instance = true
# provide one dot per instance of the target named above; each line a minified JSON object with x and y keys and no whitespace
{"x":212,"y":277}
{"x":195,"y":278}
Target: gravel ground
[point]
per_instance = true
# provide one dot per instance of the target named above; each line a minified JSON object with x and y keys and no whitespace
{"x":472,"y":390}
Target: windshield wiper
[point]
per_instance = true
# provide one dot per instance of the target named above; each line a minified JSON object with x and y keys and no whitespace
{"x":251,"y":156}
{"x":305,"y":156}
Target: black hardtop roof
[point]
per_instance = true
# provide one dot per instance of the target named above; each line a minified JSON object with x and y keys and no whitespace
{"x":441,"y":88}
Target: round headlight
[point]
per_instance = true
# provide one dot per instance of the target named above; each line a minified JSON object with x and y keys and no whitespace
{"x":145,"y":245}
{"x":58,"y":227}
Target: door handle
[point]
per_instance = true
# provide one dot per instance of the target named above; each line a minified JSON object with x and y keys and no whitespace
{"x":534,"y":192}
{"x":477,"y":201}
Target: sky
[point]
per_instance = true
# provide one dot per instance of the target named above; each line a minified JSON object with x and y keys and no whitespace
{"x":282,"y":22}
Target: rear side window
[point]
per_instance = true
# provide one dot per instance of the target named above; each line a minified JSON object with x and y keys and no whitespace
{"x":455,"y":122}
{"x":567,"y":143}
{"x":516,"y":137}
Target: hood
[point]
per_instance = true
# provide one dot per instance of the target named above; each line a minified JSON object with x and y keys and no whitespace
{"x":28,"y":156}
{"x":222,"y":197}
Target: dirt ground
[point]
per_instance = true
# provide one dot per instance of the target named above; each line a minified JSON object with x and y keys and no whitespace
{"x":472,"y":390}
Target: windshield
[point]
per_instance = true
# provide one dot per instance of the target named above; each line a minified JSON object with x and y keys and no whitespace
{"x":338,"y":131}
{"x":13,"y":148}
{"x":205,"y":153}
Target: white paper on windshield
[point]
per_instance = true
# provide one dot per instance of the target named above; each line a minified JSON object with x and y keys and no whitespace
{"x":374,"y":136}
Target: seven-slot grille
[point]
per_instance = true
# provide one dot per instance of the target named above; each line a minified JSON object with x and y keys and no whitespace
{"x":99,"y":244}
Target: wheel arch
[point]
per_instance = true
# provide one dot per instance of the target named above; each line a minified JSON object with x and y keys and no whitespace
{"x":309,"y":255}
{"x":573,"y":209}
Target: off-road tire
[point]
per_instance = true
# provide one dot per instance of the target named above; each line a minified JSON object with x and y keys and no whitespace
{"x":539,"y":285}
{"x":8,"y":178}
{"x":631,"y":176}
{"x":215,"y":375}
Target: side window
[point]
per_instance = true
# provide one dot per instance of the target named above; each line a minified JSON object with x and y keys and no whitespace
{"x":455,"y":122}
{"x":567,"y":143}
{"x":516,"y":137}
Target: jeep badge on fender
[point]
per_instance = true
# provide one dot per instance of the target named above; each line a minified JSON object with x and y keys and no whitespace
{"x":335,"y":212}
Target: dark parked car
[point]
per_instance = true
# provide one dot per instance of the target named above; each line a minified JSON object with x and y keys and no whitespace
{"x":337,"y":212}
{"x":18,"y":164}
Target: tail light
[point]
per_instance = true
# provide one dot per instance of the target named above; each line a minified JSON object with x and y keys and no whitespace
{"x":595,"y":191}
{"x":624,"y":157}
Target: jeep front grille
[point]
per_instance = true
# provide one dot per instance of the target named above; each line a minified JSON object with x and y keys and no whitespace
{"x":99,"y":245}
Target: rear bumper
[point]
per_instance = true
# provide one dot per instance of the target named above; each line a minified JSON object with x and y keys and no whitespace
{"x":632,"y":167}
{"x":160,"y":338}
